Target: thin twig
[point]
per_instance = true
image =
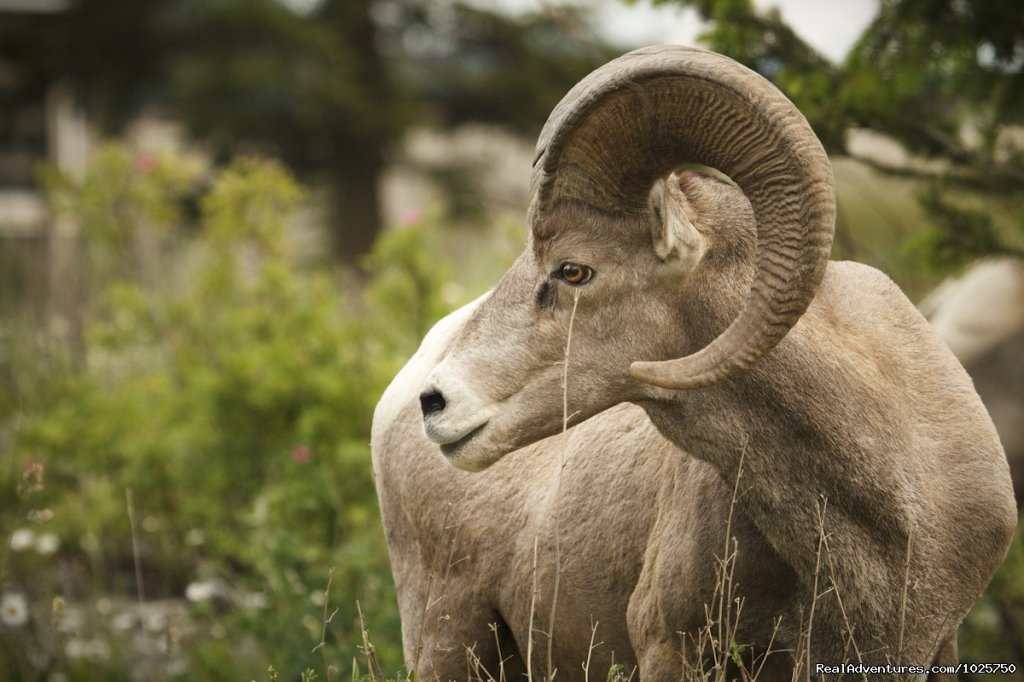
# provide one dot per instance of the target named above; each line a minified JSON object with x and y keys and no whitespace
{"x":728,"y":567}
{"x":325,"y":621}
{"x":817,"y":570}
{"x":369,"y":651}
{"x":839,"y":600}
{"x":590,"y":650}
{"x":533,"y":609}
{"x":903,"y":599}
{"x":430,"y":586}
{"x":558,"y":484}
{"x":497,"y":647}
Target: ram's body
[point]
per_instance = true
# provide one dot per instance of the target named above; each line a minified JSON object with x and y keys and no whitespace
{"x":874,"y":499}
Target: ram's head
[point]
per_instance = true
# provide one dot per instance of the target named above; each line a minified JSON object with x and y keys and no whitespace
{"x":671,"y":280}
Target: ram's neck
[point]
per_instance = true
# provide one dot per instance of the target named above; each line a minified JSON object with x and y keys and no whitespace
{"x":816,"y":450}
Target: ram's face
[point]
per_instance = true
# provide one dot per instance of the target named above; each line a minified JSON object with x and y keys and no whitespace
{"x":620,"y":257}
{"x":553,"y":342}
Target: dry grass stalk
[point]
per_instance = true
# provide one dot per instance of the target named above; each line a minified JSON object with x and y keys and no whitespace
{"x":533,"y":611}
{"x":417,"y":652}
{"x":903,"y":596}
{"x":374,"y":669}
{"x":476,"y":671}
{"x":551,"y":671}
{"x":715,"y":646}
{"x":590,"y":650}
{"x":558,"y":487}
{"x":325,"y":621}
{"x":429,"y":601}
{"x":851,"y":641}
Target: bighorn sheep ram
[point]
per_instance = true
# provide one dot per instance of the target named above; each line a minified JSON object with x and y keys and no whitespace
{"x":873,"y":502}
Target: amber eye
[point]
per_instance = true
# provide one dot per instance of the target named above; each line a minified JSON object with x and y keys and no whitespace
{"x":574,"y":273}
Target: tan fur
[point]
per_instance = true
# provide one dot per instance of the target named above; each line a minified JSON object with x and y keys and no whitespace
{"x":860,"y":411}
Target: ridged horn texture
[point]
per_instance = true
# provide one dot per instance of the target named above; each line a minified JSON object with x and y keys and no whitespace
{"x":640,"y":116}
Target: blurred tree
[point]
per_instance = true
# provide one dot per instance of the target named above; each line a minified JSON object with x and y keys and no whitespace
{"x":471,"y":65}
{"x":310,"y":88}
{"x":333,"y":90}
{"x":328,"y":86}
{"x":109,"y":50}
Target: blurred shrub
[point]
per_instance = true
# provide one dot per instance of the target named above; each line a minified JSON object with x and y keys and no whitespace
{"x":222,"y":419}
{"x":958,"y":235}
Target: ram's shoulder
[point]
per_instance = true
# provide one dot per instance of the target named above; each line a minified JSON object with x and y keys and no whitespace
{"x":846,"y":277}
{"x":859,"y":306}
{"x":406,"y":384}
{"x":854,"y":290}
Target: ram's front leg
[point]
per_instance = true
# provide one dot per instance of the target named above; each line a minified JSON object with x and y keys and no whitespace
{"x":450,"y":631}
{"x":948,"y":656}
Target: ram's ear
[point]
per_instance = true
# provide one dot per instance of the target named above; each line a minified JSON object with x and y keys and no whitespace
{"x":673,"y":231}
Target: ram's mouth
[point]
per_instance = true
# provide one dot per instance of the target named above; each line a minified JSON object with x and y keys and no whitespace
{"x":451,"y":450}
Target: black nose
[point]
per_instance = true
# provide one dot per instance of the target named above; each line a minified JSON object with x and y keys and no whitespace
{"x":431,"y":402}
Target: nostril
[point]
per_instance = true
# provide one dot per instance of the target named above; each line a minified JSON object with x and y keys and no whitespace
{"x":431,"y":402}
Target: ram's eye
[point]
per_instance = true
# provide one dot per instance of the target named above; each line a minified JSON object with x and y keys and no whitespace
{"x":574,"y":273}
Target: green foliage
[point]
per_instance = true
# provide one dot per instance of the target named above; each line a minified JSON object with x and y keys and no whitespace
{"x":218,"y":431}
{"x":959,"y":235}
{"x":925,"y":65}
{"x":407,"y":270}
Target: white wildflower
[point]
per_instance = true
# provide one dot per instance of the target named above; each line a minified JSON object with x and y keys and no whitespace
{"x":47,"y":544}
{"x":124,"y":621}
{"x":91,"y":649}
{"x":22,"y":539}
{"x":177,"y":667}
{"x":253,"y":600}
{"x":155,"y":621}
{"x":98,"y":650}
{"x":75,"y":647}
{"x":40,"y":515}
{"x":14,"y":609}
{"x":204,"y":590}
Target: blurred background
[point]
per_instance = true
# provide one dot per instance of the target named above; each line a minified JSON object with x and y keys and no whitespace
{"x":226,"y":224}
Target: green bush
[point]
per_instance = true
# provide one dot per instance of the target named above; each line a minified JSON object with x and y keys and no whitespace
{"x":215,"y":441}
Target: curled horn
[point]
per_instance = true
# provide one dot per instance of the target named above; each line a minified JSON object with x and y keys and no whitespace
{"x":639,"y":117}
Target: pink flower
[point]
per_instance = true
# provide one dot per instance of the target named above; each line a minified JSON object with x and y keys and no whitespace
{"x":411,"y":216}
{"x":302,"y":454}
{"x":144,"y":163}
